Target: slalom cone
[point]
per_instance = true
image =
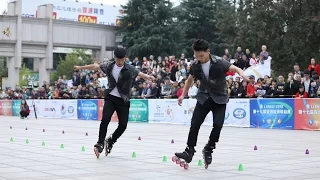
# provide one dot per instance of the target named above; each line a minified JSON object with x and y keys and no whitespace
{"x":10,"y":127}
{"x":11,"y":139}
{"x":172,"y":141}
{"x":164,"y":159}
{"x":240,"y":167}
{"x":27,"y":141}
{"x":43,"y":143}
{"x":26,"y":128}
{"x":255,"y":148}
{"x":200,"y":163}
{"x":139,"y":138}
{"x":134,"y":155}
{"x":83,"y":149}
{"x":61,"y":146}
{"x":86,"y":134}
{"x":307,"y":151}
{"x":43,"y":130}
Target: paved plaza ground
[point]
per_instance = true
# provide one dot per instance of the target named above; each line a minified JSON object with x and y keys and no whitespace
{"x":280,"y":154}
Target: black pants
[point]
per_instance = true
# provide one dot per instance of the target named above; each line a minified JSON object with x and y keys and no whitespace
{"x":24,"y":114}
{"x":111,"y":104}
{"x":198,"y":117}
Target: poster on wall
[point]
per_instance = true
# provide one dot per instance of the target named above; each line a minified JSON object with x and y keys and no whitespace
{"x":114,"y":117}
{"x":272,"y":113}
{"x":88,"y":109}
{"x":307,"y":114}
{"x":5,"y":108}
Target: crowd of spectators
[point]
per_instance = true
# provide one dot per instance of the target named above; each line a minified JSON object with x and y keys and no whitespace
{"x":171,"y":72}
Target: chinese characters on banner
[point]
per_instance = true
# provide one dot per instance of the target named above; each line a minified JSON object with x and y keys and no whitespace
{"x":75,"y":11}
{"x":307,"y":114}
{"x":272,"y":113}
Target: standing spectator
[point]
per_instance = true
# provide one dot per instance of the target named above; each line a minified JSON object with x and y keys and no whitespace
{"x":301,"y":93}
{"x":314,"y":67}
{"x":314,"y":87}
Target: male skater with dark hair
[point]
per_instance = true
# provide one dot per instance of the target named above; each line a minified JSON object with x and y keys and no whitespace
{"x":117,"y":97}
{"x":212,"y":96}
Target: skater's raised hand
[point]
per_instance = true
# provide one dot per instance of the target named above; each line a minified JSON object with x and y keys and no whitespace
{"x":180,"y":99}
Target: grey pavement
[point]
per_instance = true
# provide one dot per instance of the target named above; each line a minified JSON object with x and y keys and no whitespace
{"x":280,"y":154}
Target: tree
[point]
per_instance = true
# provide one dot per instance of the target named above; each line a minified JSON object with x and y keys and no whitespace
{"x":3,"y":65}
{"x":65,"y":66}
{"x":149,"y":28}
{"x":199,"y":19}
{"x":23,"y":76}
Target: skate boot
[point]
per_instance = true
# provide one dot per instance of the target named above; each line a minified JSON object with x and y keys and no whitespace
{"x":109,"y":144}
{"x":207,"y":154}
{"x":187,"y":156}
{"x":98,"y":148}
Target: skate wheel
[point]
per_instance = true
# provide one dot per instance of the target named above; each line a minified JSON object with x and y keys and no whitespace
{"x":178,"y":161}
{"x":96,"y":152}
{"x":206,"y":166}
{"x":174,"y":159}
{"x":186,"y":166}
{"x":182,"y":164}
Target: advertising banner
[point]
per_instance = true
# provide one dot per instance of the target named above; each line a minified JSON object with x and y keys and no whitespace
{"x":88,"y":109}
{"x":307,"y":114}
{"x":238,"y":113}
{"x":114,"y":117}
{"x":5,"y":108}
{"x":138,"y":111}
{"x":16,"y":107}
{"x":75,"y":11}
{"x":272,"y":113}
{"x":62,"y":109}
{"x":168,"y":111}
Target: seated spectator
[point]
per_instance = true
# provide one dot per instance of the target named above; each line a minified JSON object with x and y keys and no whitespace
{"x":24,"y":109}
{"x":251,"y":91}
{"x":193,"y":90}
{"x":301,"y":93}
{"x":166,"y":88}
{"x":180,"y":90}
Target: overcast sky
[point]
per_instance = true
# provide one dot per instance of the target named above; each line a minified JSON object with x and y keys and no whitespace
{"x":3,"y":3}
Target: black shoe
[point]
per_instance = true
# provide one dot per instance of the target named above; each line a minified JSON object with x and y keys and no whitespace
{"x":207,"y":153}
{"x":109,"y":145}
{"x":187,"y":155}
{"x":98,"y":148}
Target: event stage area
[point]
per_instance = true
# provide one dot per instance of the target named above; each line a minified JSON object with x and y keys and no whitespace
{"x":33,"y":154}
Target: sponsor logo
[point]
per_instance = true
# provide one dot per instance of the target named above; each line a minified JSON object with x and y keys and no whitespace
{"x":239,"y":113}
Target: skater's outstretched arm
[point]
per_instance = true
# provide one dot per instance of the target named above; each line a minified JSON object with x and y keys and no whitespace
{"x":146,"y":76}
{"x":91,"y":67}
{"x":238,"y":71}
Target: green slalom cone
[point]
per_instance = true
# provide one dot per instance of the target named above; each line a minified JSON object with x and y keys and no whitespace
{"x":27,"y":141}
{"x":240,"y":167}
{"x":164,"y":159}
{"x":200,"y":163}
{"x":43,"y":143}
{"x":134,"y":155}
{"x":62,"y":146}
{"x":83,"y":149}
{"x":11,"y":139}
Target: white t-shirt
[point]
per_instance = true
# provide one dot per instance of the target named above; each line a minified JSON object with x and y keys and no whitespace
{"x":206,"y":68}
{"x":115,"y":73}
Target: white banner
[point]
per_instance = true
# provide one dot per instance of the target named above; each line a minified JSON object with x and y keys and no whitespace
{"x":62,"y":109}
{"x":168,"y":111}
{"x":75,"y":11}
{"x":238,"y":113}
{"x":259,"y":70}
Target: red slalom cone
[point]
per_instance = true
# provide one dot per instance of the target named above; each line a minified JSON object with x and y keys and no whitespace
{"x":139,"y":138}
{"x":86,"y":134}
{"x":307,"y":151}
{"x":255,"y":148}
{"x":172,"y":141}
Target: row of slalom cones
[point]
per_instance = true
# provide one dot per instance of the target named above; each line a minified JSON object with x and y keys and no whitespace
{"x":43,"y":130}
